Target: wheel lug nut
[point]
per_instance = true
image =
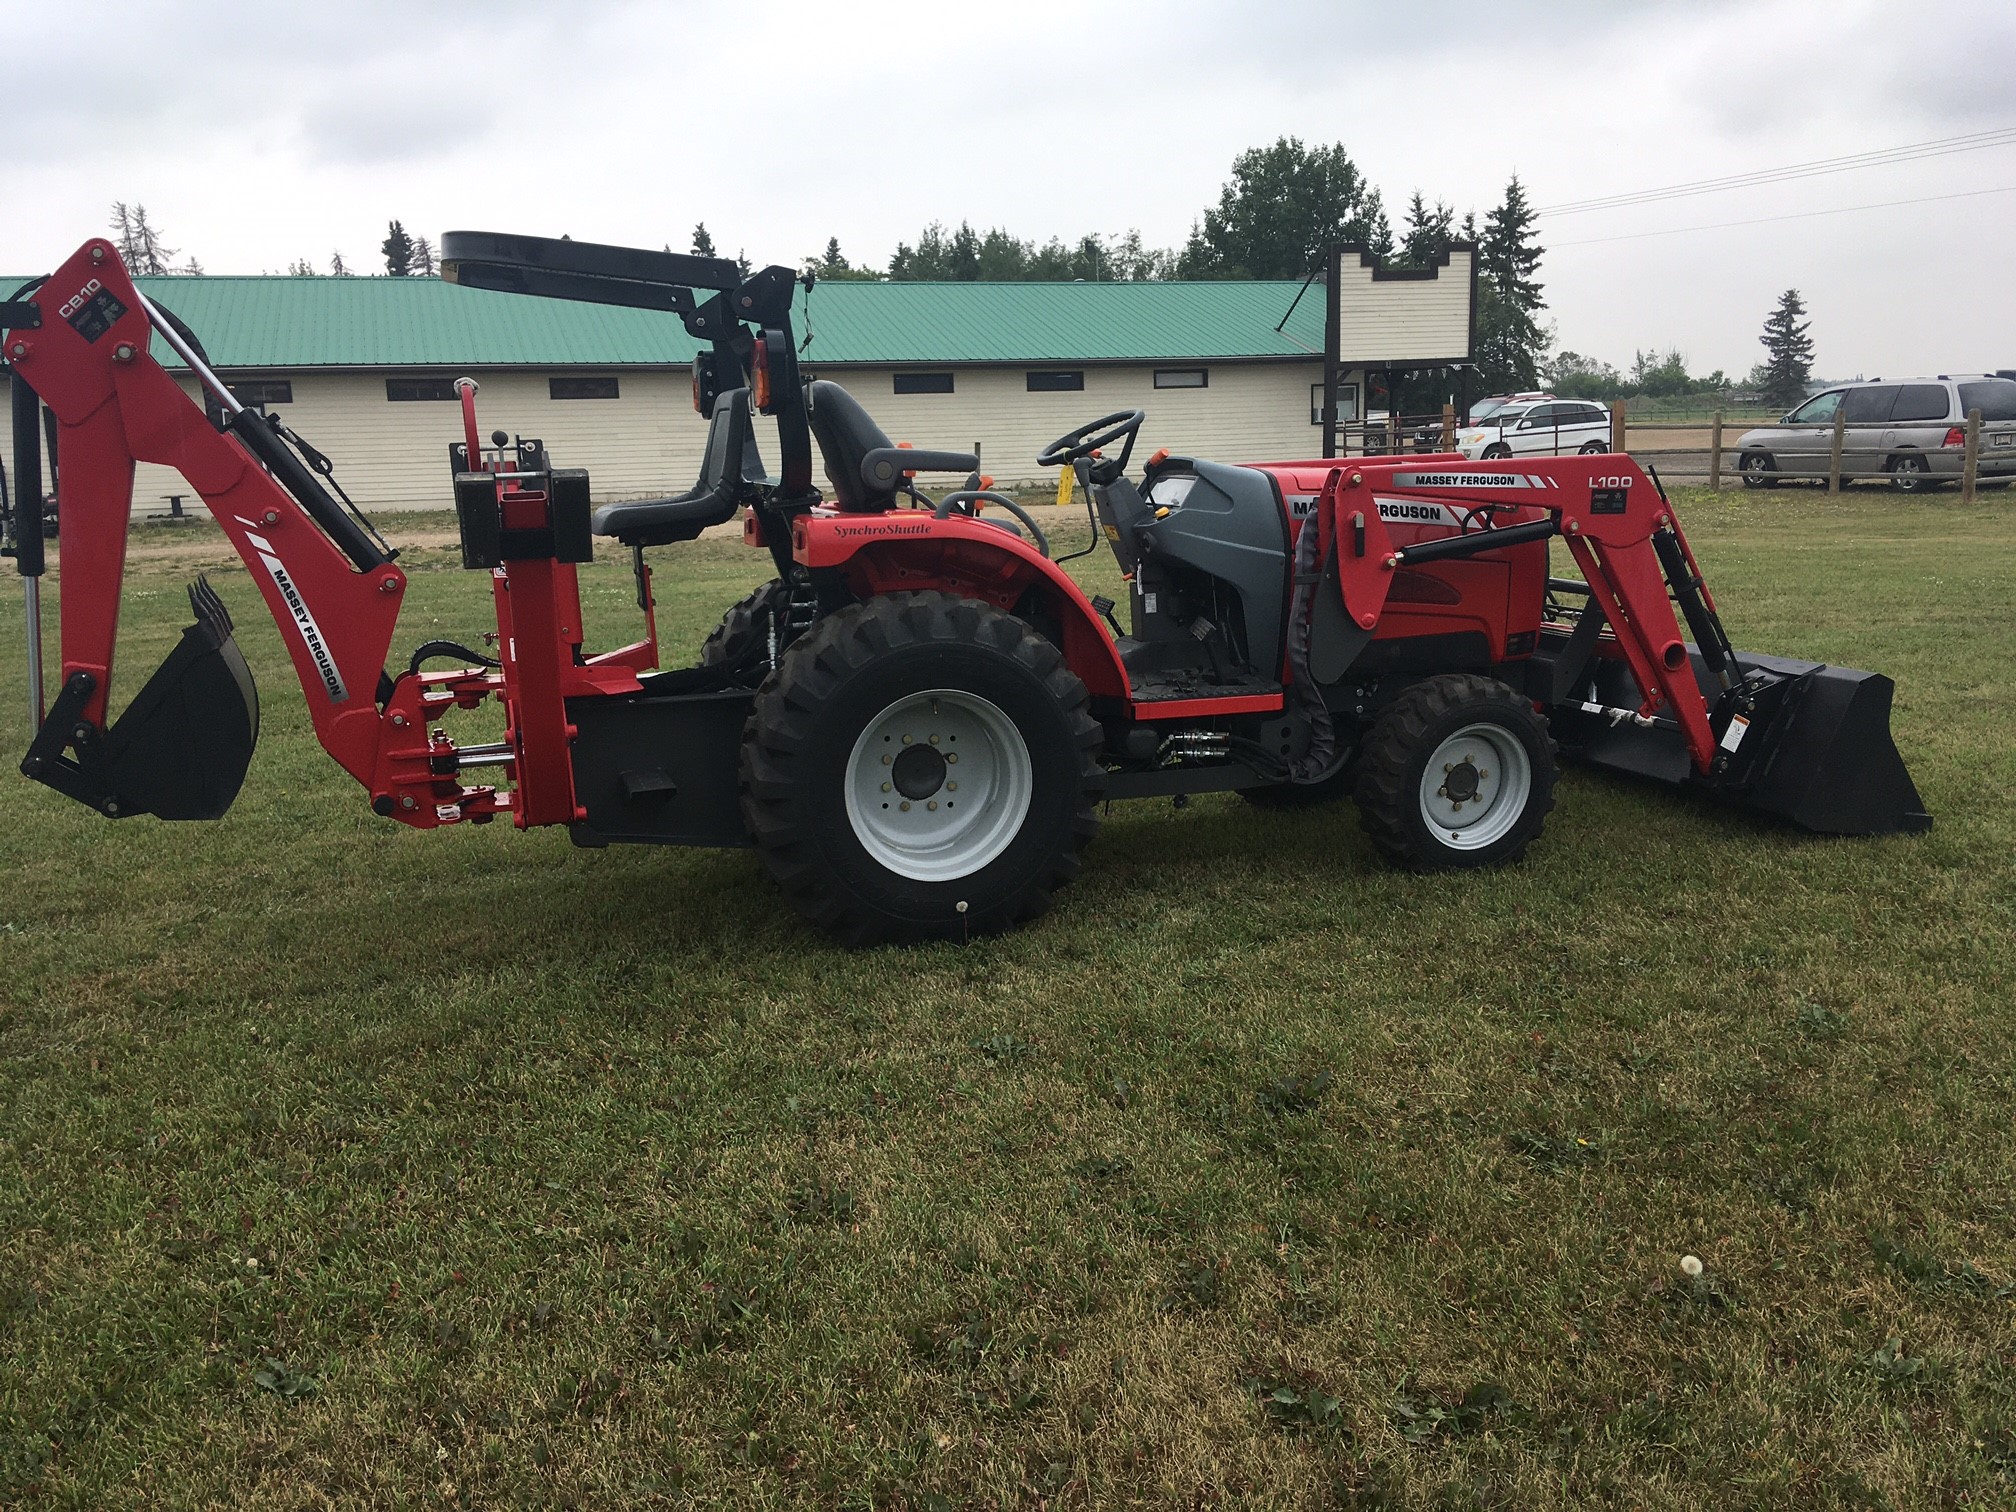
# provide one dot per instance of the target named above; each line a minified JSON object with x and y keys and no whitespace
{"x":905,"y":805}
{"x":934,"y":740}
{"x":885,"y":787}
{"x":951,"y":787}
{"x":932,"y":805}
{"x":954,"y":756}
{"x":906,"y":739}
{"x":1448,"y":766}
{"x":887,"y":759}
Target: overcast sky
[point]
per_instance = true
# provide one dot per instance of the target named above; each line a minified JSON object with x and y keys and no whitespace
{"x":256,"y":135}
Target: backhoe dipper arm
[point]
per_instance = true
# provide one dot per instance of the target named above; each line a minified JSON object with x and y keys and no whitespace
{"x":90,"y":363}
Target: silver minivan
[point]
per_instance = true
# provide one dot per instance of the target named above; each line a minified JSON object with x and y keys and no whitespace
{"x":1911,"y":431}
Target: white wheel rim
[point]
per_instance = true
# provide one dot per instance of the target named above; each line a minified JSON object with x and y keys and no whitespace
{"x":1476,"y":786}
{"x":938,"y":785}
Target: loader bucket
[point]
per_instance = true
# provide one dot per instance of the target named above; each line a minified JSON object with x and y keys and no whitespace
{"x":1817,"y":750}
{"x":181,"y":748}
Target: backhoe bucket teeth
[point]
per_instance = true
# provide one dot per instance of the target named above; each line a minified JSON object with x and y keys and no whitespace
{"x":1816,"y":749}
{"x":181,"y":749}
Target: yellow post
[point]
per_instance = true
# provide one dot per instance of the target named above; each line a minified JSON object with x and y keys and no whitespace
{"x":1834,"y":456}
{"x":1065,"y":475}
{"x":1715,"y":454}
{"x":1970,"y":461}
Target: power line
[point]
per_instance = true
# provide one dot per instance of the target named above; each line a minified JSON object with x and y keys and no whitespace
{"x":2002,"y":136}
{"x":1800,"y":215}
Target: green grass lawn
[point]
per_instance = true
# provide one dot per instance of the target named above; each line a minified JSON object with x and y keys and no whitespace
{"x":351,"y":1166}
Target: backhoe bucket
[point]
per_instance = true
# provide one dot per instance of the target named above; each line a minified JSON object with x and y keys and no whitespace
{"x":181,"y":749}
{"x":1816,"y":749}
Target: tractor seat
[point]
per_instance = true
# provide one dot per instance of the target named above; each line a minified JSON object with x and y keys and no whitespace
{"x":732,"y":462}
{"x":846,"y":434}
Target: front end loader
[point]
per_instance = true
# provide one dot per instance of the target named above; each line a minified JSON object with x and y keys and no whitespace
{"x":917,"y":720}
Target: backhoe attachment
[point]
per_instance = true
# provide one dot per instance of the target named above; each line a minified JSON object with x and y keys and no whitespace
{"x":78,"y":347}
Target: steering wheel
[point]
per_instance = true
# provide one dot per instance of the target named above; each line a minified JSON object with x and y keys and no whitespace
{"x":1083,"y":441}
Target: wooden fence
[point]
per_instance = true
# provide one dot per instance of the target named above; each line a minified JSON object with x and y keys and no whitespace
{"x":1706,"y":453}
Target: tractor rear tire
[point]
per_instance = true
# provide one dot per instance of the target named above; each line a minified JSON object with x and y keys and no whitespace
{"x":743,"y":636}
{"x":1451,"y":743}
{"x":870,"y":724}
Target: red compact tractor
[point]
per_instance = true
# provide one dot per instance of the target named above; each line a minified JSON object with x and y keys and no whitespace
{"x":917,"y":720}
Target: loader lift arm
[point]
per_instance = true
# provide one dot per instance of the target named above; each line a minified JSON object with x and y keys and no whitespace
{"x":1624,"y":687}
{"x":1616,"y":527}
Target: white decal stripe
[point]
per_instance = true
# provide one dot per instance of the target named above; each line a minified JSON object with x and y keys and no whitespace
{"x":311,"y":633}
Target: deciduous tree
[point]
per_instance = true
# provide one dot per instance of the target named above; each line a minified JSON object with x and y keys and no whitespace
{"x":1282,"y":206}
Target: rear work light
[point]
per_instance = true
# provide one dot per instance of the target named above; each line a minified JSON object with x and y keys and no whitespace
{"x":759,"y":376}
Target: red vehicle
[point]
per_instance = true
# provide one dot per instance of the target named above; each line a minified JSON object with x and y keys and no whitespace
{"x":917,"y":720}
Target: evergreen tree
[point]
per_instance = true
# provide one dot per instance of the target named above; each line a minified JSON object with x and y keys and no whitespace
{"x":1281,"y":208}
{"x":337,"y":267}
{"x":965,"y":255}
{"x":703,"y":244}
{"x":1427,"y":233}
{"x":1510,"y":256}
{"x":140,"y":245}
{"x":398,"y":250}
{"x":1509,"y":343}
{"x":834,"y":266}
{"x":424,"y":265}
{"x":1788,"y":352}
{"x":1510,"y":339}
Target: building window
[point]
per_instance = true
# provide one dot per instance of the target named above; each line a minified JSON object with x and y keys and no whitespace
{"x":263,"y":390}
{"x":1055,"y":383}
{"x":1347,"y":404}
{"x":581,"y":388}
{"x":1182,"y":378}
{"x":923,"y":383}
{"x":400,"y":390}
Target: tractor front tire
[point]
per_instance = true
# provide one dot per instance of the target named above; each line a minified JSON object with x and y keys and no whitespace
{"x":920,"y":765}
{"x":1458,"y":773}
{"x":742,"y":639}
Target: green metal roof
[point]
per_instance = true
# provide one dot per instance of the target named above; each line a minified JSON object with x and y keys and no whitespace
{"x":297,"y":322}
